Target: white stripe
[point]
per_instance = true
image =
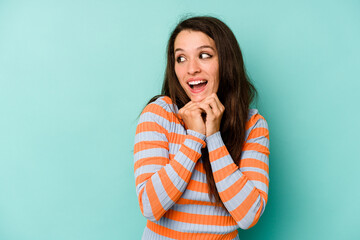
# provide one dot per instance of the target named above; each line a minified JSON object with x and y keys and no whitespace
{"x":195,"y":228}
{"x":239,"y":198}
{"x":221,"y":163}
{"x":256,"y":155}
{"x":153,"y":168}
{"x":260,"y":140}
{"x":150,"y":136}
{"x":250,"y":216}
{"x":153,"y":152}
{"x":179,"y":183}
{"x":165,"y":200}
{"x":198,"y":176}
{"x":201,"y":209}
{"x":254,"y":169}
{"x":261,"y":186}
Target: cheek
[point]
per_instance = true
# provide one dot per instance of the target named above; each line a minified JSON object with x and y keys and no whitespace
{"x":178,"y":72}
{"x":215,"y":74}
{"x":214,"y":71}
{"x":179,"y":75}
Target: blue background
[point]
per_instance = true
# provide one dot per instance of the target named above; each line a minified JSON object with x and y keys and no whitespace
{"x":74,"y":75}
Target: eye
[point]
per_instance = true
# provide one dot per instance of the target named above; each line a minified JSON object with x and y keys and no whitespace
{"x":205,"y":55}
{"x":180,"y":59}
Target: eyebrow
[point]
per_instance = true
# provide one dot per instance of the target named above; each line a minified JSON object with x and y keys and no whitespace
{"x":201,"y":47}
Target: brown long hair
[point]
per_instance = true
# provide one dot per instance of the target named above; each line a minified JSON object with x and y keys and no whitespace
{"x":235,"y":90}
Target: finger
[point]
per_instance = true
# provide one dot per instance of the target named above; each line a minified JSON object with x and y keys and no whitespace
{"x":208,"y":110}
{"x":194,"y":109}
{"x":211,"y":101}
{"x":190,"y":105}
{"x":194,"y":106}
{"x":214,"y":98}
{"x":186,"y":107}
{"x":219,"y":104}
{"x":215,"y":108}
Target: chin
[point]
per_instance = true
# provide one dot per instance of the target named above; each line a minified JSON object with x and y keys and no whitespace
{"x":198,"y":98}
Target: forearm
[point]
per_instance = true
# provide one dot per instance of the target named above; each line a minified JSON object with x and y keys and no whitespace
{"x":160,"y":186}
{"x":244,"y":194}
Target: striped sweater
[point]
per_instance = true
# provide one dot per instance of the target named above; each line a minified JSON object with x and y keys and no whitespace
{"x":171,"y":182}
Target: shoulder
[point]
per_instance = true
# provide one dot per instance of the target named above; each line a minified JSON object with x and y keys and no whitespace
{"x":257,"y":133}
{"x":255,"y":120}
{"x":161,"y":105}
{"x":162,"y":111}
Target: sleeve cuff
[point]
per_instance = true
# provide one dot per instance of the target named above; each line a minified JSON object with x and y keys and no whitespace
{"x":214,"y":141}
{"x":198,"y":137}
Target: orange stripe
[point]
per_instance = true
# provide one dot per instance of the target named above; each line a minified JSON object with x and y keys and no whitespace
{"x":224,"y":172}
{"x":234,"y":189}
{"x":197,"y":186}
{"x":195,"y":202}
{"x":200,"y":167}
{"x":158,"y":110}
{"x":144,"y":145}
{"x":150,"y":126}
{"x":196,"y":139}
{"x":167,"y":100}
{"x":252,"y":162}
{"x":140,"y":200}
{"x":161,"y":112}
{"x":218,"y":153}
{"x":190,"y":153}
{"x":142,"y":178}
{"x":155,"y":204}
{"x":258,"y":132}
{"x":179,"y":118}
{"x":169,"y":186}
{"x":176,"y":137}
{"x":181,"y":170}
{"x":151,"y":161}
{"x":254,"y":118}
{"x":240,"y":212}
{"x":256,"y":176}
{"x":167,"y":232}
{"x":263,"y":195}
{"x":256,"y":147}
{"x":200,"y":218}
{"x":257,"y":215}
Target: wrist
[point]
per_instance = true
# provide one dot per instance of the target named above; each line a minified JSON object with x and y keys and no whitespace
{"x":196,"y":136}
{"x":214,"y":141}
{"x":208,"y":134}
{"x":199,"y":131}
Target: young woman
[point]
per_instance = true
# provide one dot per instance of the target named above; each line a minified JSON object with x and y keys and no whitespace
{"x":201,"y":155}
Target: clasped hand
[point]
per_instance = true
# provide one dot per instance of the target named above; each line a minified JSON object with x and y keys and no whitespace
{"x":203,"y":117}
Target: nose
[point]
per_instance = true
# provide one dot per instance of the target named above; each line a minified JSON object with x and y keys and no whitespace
{"x":193,"y":67}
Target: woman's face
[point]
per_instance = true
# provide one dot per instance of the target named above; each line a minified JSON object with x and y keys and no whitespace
{"x":196,"y":64}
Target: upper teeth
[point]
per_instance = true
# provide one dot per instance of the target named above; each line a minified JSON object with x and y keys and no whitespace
{"x":196,"y":82}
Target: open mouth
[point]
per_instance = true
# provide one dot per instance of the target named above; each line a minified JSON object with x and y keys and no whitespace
{"x":198,"y":84}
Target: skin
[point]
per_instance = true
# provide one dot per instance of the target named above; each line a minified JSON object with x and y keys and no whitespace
{"x":196,"y":57}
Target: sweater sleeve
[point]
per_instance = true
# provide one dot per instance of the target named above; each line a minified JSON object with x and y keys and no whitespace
{"x":244,"y":188}
{"x":160,"y":181}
